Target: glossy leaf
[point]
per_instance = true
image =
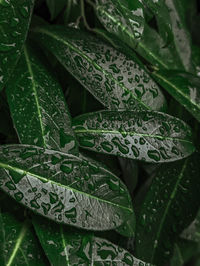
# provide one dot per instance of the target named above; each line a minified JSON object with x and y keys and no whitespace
{"x":19,"y":245}
{"x":170,"y":205}
{"x":34,"y":91}
{"x":183,"y":86}
{"x":15,"y":17}
{"x":126,"y":18}
{"x":182,"y":38}
{"x":105,"y":72}
{"x":63,"y":187}
{"x":80,"y":248}
{"x":55,"y":7}
{"x":148,"y":136}
{"x":152,"y":47}
{"x":192,"y":232}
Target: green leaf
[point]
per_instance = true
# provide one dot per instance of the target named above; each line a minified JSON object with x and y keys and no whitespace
{"x":183,"y":86}
{"x":143,"y":135}
{"x":192,"y":232}
{"x":151,"y":46}
{"x":105,"y":72}
{"x":182,"y":38}
{"x":80,"y":248}
{"x":19,"y":245}
{"x":55,"y":7}
{"x":170,"y":206}
{"x":183,"y":251}
{"x":63,"y":187}
{"x":124,"y":17}
{"x":15,"y":17}
{"x":33,"y":90}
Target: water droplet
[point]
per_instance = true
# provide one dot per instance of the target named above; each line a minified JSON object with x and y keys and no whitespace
{"x":4,"y":47}
{"x":154,"y":155}
{"x":53,"y":197}
{"x":14,"y":22}
{"x":114,"y":184}
{"x":58,"y":208}
{"x":10,"y":185}
{"x":56,"y":159}
{"x":135,"y":151}
{"x":46,"y":207}
{"x":18,"y":196}
{"x":34,"y":204}
{"x":107,"y":146}
{"x":67,"y":167}
{"x":123,"y":148}
{"x":66,"y":141}
{"x":71,"y":213}
{"x":24,"y":11}
{"x":16,"y":177}
{"x":87,"y":141}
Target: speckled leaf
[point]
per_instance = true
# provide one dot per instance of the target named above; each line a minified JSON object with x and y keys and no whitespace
{"x":80,"y":248}
{"x":55,"y":7}
{"x":15,"y":17}
{"x":19,"y":245}
{"x":169,"y":206}
{"x":182,"y":38}
{"x":143,"y":135}
{"x":151,"y":46}
{"x":183,"y":86}
{"x":63,"y":187}
{"x":192,"y":232}
{"x":124,"y":18}
{"x":161,"y":12}
{"x":114,"y":79}
{"x":35,"y":99}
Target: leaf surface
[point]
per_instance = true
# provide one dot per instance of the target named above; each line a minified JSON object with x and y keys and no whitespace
{"x":19,"y":245}
{"x":63,"y":187}
{"x":151,"y":46}
{"x":80,"y":248}
{"x":37,"y":105}
{"x":15,"y":17}
{"x":143,"y":135}
{"x":183,"y":86}
{"x":115,"y":80}
{"x":126,"y":18}
{"x":169,"y":206}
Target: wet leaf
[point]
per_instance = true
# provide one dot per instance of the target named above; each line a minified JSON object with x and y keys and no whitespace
{"x":192,"y":232}
{"x":36,"y":99}
{"x":142,"y":135}
{"x":152,"y":47}
{"x":55,"y":7}
{"x":80,"y":248}
{"x":170,"y":206}
{"x":125,"y":18}
{"x":19,"y":245}
{"x":15,"y":17}
{"x":105,"y":72}
{"x":63,"y":187}
{"x":183,"y":86}
{"x":183,"y":252}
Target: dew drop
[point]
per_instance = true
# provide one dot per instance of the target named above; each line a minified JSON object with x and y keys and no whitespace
{"x":53,"y":197}
{"x":4,"y":47}
{"x":154,"y":155}
{"x":10,"y":185}
{"x":67,"y":167}
{"x":107,"y":146}
{"x":135,"y":151}
{"x":18,"y":196}
{"x":71,"y":213}
{"x":24,"y":11}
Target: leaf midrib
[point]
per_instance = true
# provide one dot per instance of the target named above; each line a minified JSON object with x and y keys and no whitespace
{"x":18,"y":243}
{"x":105,"y":72}
{"x":77,"y":131}
{"x":43,"y":179}
{"x":173,"y":194}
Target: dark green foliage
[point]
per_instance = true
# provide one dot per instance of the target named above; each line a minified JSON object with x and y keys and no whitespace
{"x":100,"y":112}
